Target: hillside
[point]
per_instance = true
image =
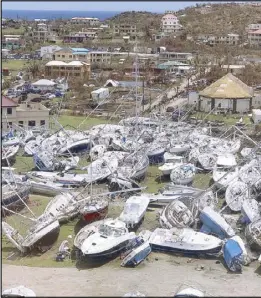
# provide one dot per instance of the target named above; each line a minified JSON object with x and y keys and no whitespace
{"x":214,"y":19}
{"x":219,"y":18}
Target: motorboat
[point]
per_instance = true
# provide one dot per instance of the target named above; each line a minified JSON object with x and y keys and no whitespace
{"x":75,"y":146}
{"x":184,"y":240}
{"x":183,"y":174}
{"x":235,"y":195}
{"x":214,"y":223}
{"x":137,"y":250}
{"x":63,"y":206}
{"x":134,"y":210}
{"x":106,"y":238}
{"x":172,"y":158}
{"x":233,"y":255}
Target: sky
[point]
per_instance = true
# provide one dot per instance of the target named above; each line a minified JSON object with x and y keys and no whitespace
{"x":157,"y":6}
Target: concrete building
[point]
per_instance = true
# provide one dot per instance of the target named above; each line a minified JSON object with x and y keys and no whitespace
{"x":11,"y":42}
{"x":252,"y":27}
{"x":24,"y":115}
{"x":85,"y":21}
{"x":79,"y":37}
{"x":72,"y":54}
{"x":44,"y":84}
{"x":74,"y":69}
{"x":100,"y":57}
{"x":48,"y":51}
{"x":125,"y":29}
{"x":254,"y":37}
{"x":175,"y":56}
{"x":170,"y":23}
{"x":229,"y":39}
{"x":42,"y":33}
{"x":175,"y":67}
{"x":227,"y":94}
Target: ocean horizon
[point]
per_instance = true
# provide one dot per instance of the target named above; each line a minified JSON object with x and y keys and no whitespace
{"x":56,"y":14}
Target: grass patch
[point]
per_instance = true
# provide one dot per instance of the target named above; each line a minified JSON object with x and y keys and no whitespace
{"x":23,"y":164}
{"x":74,"y":121}
{"x":227,"y":119}
{"x":13,"y":64}
{"x":15,"y":31}
{"x":202,"y":181}
{"x":153,"y":180}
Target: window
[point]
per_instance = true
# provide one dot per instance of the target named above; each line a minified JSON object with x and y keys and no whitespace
{"x":70,"y":56}
{"x":21,"y":123}
{"x":10,"y":124}
{"x":42,"y":122}
{"x":63,"y":56}
{"x":9,"y":111}
{"x":31,"y":123}
{"x":58,"y":55}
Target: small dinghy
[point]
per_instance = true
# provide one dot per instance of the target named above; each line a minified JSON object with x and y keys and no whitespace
{"x":183,"y":174}
{"x":63,"y":207}
{"x":189,"y":292}
{"x":214,"y":223}
{"x":253,"y":235}
{"x":233,"y":255}
{"x":105,"y":238}
{"x":236,"y":193}
{"x":178,"y":214}
{"x":20,"y":291}
{"x":250,"y":211}
{"x":94,"y":209}
{"x":184,"y":240}
{"x":97,"y":152}
{"x":8,"y":154}
{"x":136,"y":251}
{"x":134,"y":210}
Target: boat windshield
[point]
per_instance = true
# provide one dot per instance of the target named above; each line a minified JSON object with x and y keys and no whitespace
{"x":105,"y":230}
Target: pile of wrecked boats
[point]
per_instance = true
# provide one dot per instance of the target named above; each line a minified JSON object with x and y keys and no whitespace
{"x":190,"y":221}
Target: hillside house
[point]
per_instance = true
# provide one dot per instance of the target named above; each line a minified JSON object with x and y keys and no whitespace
{"x":175,"y":56}
{"x":170,"y":24}
{"x":227,"y":94}
{"x":71,"y":54}
{"x":74,"y":69}
{"x":24,"y":115}
{"x":12,"y":42}
{"x":125,"y":29}
{"x":48,"y":51}
{"x":85,"y":21}
{"x":229,"y":39}
{"x":254,"y":37}
{"x":252,"y":27}
{"x":100,"y":57}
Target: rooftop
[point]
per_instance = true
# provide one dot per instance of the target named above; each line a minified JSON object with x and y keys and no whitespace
{"x":7,"y":102}
{"x":61,"y":63}
{"x":228,"y":86}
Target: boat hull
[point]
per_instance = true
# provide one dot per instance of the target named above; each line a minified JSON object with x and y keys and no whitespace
{"x":95,"y":215}
{"x":137,"y":256}
{"x":156,"y":158}
{"x":166,"y":248}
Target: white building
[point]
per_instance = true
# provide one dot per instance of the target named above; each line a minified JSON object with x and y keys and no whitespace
{"x":44,"y":85}
{"x":227,"y":94}
{"x":252,"y":27}
{"x":100,"y":94}
{"x":254,"y":37}
{"x":86,"y":21}
{"x":170,"y":24}
{"x":256,"y":116}
{"x":47,"y":52}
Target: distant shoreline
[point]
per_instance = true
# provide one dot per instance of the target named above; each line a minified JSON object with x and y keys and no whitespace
{"x":56,"y":14}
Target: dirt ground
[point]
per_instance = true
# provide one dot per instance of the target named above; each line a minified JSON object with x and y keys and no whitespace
{"x":159,"y":275}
